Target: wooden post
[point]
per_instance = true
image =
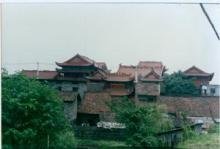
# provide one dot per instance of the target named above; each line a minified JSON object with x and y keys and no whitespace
{"x":48,"y":141}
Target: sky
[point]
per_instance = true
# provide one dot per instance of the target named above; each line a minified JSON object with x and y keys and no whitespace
{"x":178,"y":35}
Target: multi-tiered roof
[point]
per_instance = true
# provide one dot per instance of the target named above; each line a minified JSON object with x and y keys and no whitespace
{"x":145,"y":70}
{"x":196,"y":72}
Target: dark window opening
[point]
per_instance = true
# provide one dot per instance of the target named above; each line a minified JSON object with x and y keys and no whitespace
{"x":59,"y":88}
{"x":79,"y":100}
{"x":212,"y":90}
{"x":75,"y":89}
{"x":117,"y":86}
{"x":147,"y":98}
{"x":84,"y":119}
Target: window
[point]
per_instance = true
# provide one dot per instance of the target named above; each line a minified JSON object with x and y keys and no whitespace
{"x":117,"y":86}
{"x":212,"y":90}
{"x":59,"y":88}
{"x":146,"y":98}
{"x":75,"y":89}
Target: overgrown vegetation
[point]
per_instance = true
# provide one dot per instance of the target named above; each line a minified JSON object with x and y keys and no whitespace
{"x":32,"y":115}
{"x":142,"y":122}
{"x":176,"y":84}
{"x":215,"y":128}
{"x":211,"y":140}
{"x":100,"y":143}
{"x":203,"y":141}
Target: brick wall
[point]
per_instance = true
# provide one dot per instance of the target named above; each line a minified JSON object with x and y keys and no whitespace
{"x":192,"y":106}
{"x":147,"y":88}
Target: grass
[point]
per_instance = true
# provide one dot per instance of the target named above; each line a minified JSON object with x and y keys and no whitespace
{"x":81,"y":143}
{"x":204,"y":141}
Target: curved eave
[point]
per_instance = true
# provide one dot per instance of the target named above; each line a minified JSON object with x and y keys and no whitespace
{"x":148,"y":80}
{"x":210,"y":75}
{"x":95,"y":79}
{"x":108,"y":80}
{"x":66,"y":64}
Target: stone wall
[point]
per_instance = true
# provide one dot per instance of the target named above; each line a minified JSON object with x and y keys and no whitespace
{"x":147,"y":88}
{"x":70,"y":110}
{"x":192,"y":106}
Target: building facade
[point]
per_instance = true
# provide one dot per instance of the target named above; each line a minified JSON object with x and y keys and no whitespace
{"x":200,"y":78}
{"x":86,"y":85}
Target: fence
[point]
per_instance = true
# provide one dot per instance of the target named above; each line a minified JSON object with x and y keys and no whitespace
{"x":169,"y":138}
{"x":96,"y":133}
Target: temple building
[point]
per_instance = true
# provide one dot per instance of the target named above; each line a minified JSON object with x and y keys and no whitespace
{"x":200,"y":78}
{"x":86,"y":85}
{"x":147,"y":76}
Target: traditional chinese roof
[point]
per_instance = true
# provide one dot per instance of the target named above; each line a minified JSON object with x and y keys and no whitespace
{"x":101,"y":65}
{"x":143,"y":69}
{"x":77,"y":60}
{"x":98,"y":75}
{"x":118,"y":77}
{"x":45,"y":74}
{"x":149,"y":64}
{"x":195,"y":71}
{"x":152,"y":76}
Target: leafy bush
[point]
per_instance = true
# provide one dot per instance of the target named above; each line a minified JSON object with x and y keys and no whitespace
{"x":64,"y":140}
{"x":177,"y":84}
{"x":142,"y":122}
{"x":32,"y":113}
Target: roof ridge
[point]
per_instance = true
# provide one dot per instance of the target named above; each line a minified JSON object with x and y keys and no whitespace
{"x":201,"y":71}
{"x":152,"y":71}
{"x":41,"y":70}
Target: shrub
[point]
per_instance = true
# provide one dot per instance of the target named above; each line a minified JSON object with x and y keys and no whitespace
{"x":177,"y":84}
{"x":32,"y":113}
{"x":142,"y":122}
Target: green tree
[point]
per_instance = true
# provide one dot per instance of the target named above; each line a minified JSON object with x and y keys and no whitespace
{"x":142,"y":122}
{"x":177,"y":84}
{"x":32,"y":114}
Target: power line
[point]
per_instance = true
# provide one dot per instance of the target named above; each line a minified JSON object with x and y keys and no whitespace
{"x":29,"y":63}
{"x":210,"y":21}
{"x":121,"y":2}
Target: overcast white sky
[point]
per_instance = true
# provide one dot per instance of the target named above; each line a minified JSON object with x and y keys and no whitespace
{"x":178,"y":35}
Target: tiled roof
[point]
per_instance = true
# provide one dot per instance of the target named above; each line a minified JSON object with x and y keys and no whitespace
{"x":77,"y":60}
{"x":150,"y":64}
{"x":195,"y":71}
{"x":142,"y":69}
{"x":98,"y":75}
{"x":45,"y":74}
{"x":119,"y":77}
{"x":95,"y":103}
{"x":101,"y":65}
{"x":152,"y":76}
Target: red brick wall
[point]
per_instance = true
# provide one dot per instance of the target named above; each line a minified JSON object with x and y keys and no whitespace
{"x":192,"y":106}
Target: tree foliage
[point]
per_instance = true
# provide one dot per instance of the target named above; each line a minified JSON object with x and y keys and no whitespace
{"x":178,"y":85}
{"x":142,"y":122}
{"x":32,"y":114}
